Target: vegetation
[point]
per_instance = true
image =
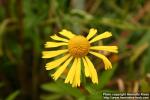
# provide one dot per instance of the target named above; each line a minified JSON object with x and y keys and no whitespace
{"x":25,"y":25}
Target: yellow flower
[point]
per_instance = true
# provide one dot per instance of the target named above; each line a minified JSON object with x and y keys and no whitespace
{"x":76,"y":52}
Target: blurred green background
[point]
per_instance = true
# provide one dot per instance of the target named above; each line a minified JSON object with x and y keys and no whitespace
{"x":25,"y":25}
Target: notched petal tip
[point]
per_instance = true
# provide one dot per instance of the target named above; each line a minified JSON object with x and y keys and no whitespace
{"x":95,"y":82}
{"x":64,"y":31}
{"x":54,"y":76}
{"x":91,"y":34}
{"x":107,"y":33}
{"x":109,"y":66}
{"x":107,"y":63}
{"x":57,"y":38}
{"x":67,"y":33}
{"x":43,"y":54}
{"x":93,"y":30}
{"x":52,"y":36}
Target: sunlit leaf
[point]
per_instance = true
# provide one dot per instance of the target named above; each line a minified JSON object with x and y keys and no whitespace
{"x":13,"y":95}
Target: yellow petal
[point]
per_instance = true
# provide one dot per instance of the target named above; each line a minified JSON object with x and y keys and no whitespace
{"x":92,"y":70}
{"x":54,"y":44}
{"x":105,"y":60}
{"x":78,"y":72}
{"x":50,"y":54}
{"x":86,"y":68}
{"x":101,"y":36}
{"x":105,"y":48}
{"x":91,"y":33}
{"x":61,"y":69}
{"x":56,"y":63}
{"x":57,"y":38}
{"x":67,"y":33}
{"x":76,"y":81}
{"x":71,"y":73}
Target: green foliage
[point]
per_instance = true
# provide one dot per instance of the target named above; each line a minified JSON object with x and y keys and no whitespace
{"x":25,"y":25}
{"x":62,"y":88}
{"x":1,"y":84}
{"x":145,"y":87}
{"x":13,"y":95}
{"x":105,"y":77}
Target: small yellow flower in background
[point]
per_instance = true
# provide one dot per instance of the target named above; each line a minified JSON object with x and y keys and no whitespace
{"x":76,"y":52}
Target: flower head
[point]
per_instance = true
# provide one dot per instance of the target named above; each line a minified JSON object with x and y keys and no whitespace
{"x":78,"y":47}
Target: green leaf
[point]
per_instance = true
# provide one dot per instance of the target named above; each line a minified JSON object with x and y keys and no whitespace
{"x":143,"y":44}
{"x":144,"y":39}
{"x":62,"y":88}
{"x":51,"y":97}
{"x":145,"y":87}
{"x":95,"y":96}
{"x":138,"y":51}
{"x":104,"y":78}
{"x":121,"y":24}
{"x":146,"y":62}
{"x":13,"y":95}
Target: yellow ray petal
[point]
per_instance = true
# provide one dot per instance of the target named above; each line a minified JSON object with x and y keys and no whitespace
{"x":56,"y":63}
{"x":105,"y":60}
{"x":105,"y":48}
{"x":57,"y":38}
{"x":54,"y":44}
{"x":92,"y":70}
{"x":50,"y":54}
{"x":61,"y":69}
{"x":78,"y":72}
{"x":92,"y":32}
{"x":76,"y":81}
{"x":86,"y":68}
{"x":67,"y":33}
{"x":71,"y":73}
{"x":101,"y":36}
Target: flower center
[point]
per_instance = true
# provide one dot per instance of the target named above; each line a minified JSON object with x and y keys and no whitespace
{"x":78,"y":46}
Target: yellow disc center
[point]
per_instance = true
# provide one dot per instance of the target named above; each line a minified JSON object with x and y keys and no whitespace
{"x":78,"y":46}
